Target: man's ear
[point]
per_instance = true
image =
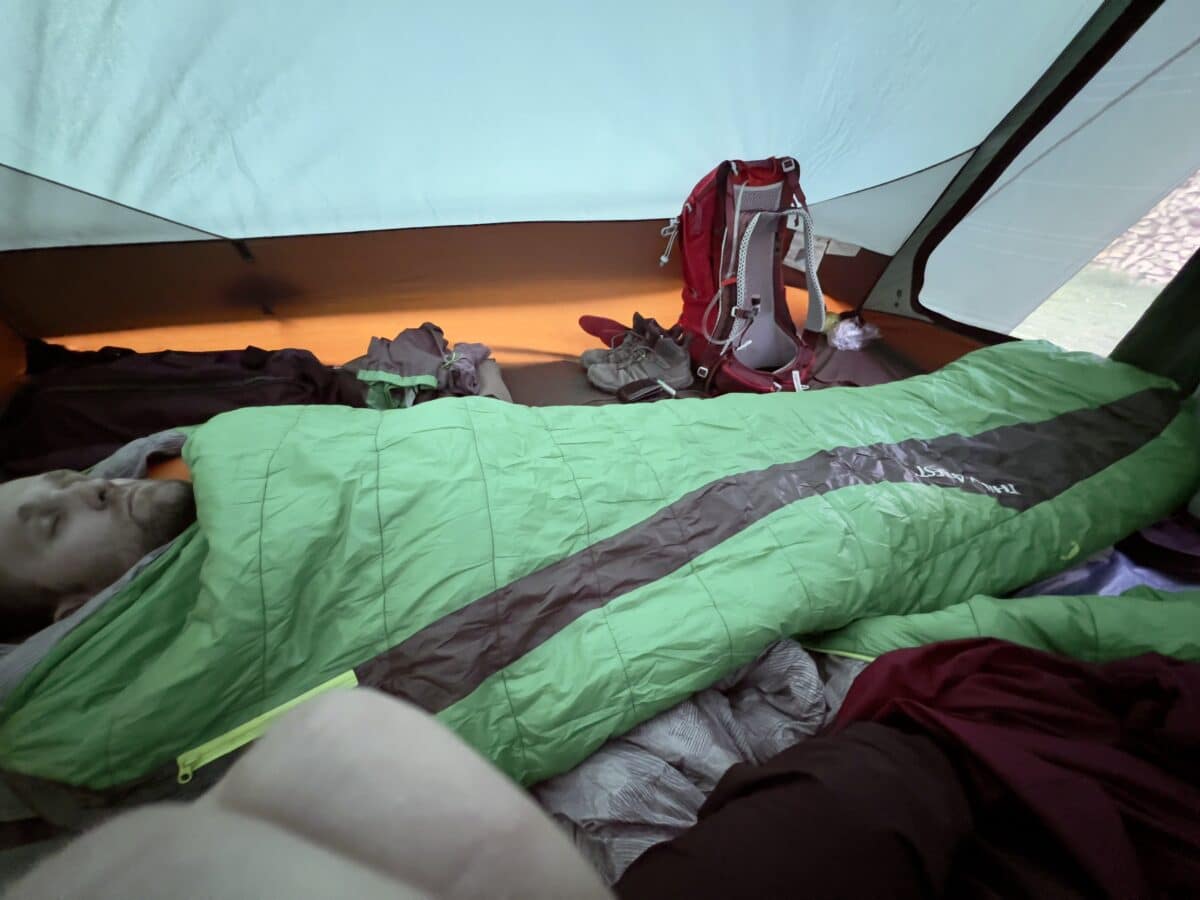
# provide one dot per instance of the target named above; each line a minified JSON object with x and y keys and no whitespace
{"x":67,"y":605}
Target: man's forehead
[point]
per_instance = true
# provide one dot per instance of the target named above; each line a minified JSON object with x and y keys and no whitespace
{"x":13,"y":493}
{"x":60,"y":477}
{"x":13,"y":536}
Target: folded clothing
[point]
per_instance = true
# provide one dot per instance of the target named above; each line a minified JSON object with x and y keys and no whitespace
{"x":418,"y":365}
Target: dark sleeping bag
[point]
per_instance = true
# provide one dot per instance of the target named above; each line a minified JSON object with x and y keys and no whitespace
{"x":75,"y":409}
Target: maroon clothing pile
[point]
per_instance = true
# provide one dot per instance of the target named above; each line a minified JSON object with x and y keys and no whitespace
{"x":1102,"y":760}
{"x":968,"y":769}
{"x":872,"y":812}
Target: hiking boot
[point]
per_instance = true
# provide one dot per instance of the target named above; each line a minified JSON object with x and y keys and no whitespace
{"x":633,"y":339}
{"x":665,"y":359}
{"x":630,"y":343}
{"x":643,"y":333}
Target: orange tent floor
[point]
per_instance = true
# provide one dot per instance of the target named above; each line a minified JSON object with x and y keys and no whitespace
{"x":517,"y":334}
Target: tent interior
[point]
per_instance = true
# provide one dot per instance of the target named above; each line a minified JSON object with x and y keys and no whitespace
{"x":166,"y":188}
{"x":203,"y":176}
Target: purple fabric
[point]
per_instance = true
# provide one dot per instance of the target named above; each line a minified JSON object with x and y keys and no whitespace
{"x":463,"y":375}
{"x":1171,"y":547}
{"x":424,"y":351}
{"x":1106,"y":574}
{"x":1179,"y":533}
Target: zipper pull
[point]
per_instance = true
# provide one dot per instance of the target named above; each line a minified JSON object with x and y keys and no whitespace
{"x":238,"y":737}
{"x":669,"y":232}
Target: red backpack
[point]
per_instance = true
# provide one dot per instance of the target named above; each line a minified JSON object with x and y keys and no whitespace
{"x":733,"y":233}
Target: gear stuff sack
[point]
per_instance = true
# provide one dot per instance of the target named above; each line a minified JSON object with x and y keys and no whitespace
{"x":733,"y":232}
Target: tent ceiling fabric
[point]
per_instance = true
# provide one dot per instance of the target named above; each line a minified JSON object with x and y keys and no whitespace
{"x":881,"y":218}
{"x":1129,"y":137}
{"x":301,"y":116}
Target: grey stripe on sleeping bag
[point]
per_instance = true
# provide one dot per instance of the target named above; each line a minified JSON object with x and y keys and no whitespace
{"x":131,"y":461}
{"x":1019,"y":466}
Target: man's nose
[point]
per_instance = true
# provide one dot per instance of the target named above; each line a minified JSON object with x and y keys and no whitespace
{"x":95,"y":493}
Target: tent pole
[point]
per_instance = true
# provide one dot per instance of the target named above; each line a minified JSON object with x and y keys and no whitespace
{"x":898,"y":288}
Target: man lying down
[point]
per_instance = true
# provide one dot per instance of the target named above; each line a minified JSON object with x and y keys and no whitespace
{"x":65,"y":536}
{"x":544,"y":579}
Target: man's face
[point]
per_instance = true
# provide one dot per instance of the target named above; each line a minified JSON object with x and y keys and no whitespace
{"x":66,"y":536}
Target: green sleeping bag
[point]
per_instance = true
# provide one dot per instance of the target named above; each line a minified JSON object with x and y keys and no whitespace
{"x":1090,"y":628}
{"x":544,"y":579}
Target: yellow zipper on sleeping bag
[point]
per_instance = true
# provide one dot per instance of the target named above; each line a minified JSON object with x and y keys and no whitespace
{"x":238,"y":737}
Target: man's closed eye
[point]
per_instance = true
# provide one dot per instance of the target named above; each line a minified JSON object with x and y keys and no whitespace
{"x":47,"y":524}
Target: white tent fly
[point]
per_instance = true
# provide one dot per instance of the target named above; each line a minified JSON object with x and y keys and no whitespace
{"x":136,"y":122}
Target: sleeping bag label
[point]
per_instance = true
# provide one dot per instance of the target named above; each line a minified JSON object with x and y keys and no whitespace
{"x":960,"y":478}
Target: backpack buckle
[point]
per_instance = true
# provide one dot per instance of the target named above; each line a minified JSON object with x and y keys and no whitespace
{"x":702,"y":372}
{"x":787,"y":164}
{"x":669,"y":232}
